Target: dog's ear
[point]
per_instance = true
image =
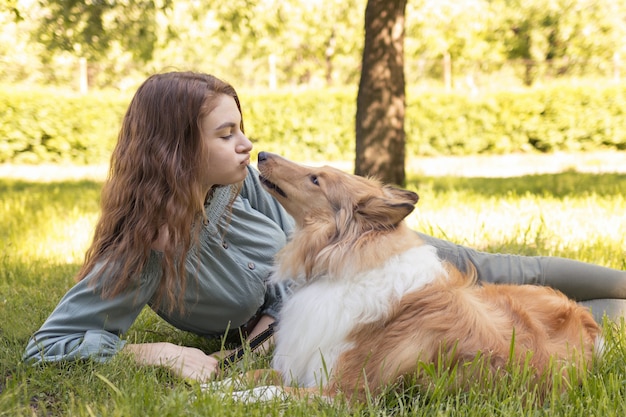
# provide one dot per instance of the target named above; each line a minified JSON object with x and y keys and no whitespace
{"x":386,"y":212}
{"x":401,"y":194}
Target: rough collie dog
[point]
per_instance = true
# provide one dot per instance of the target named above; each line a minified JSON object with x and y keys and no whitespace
{"x":370,"y":301}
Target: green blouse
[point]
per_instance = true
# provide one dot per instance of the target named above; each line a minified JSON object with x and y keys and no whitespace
{"x":226,"y":285}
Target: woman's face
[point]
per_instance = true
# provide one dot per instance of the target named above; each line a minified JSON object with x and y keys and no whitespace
{"x":227,"y":148}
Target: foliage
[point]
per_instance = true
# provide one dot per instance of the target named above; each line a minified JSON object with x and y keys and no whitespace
{"x":309,"y":126}
{"x":45,"y":228}
{"x":467,"y":30}
{"x":556,"y":118}
{"x":317,"y":125}
{"x":45,"y":126}
{"x":257,"y":43}
{"x":89,"y":28}
{"x":562,"y":32}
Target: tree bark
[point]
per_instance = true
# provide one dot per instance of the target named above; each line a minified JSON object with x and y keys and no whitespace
{"x":380,"y":136}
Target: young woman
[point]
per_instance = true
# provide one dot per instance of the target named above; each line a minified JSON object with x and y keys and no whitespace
{"x":186,"y":229}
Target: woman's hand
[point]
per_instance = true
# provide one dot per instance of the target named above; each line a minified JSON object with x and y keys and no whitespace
{"x":186,"y":362}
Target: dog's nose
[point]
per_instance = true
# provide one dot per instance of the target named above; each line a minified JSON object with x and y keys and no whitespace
{"x":262,"y":156}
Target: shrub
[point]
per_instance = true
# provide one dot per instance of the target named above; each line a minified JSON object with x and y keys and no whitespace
{"x":49,"y":126}
{"x":544,"y":120}
{"x":308,"y":126}
{"x":43,"y":126}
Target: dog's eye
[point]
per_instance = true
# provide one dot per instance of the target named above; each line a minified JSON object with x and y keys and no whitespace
{"x":314,"y":180}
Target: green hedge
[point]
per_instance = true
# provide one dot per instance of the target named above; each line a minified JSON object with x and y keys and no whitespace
{"x":43,"y":126}
{"x":545,"y":120}
{"x":49,"y":126}
{"x":308,"y":125}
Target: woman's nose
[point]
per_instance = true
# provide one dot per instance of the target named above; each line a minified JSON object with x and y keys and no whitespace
{"x":245,"y":145}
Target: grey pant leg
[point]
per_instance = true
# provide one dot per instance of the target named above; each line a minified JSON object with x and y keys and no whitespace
{"x":614,"y":309}
{"x":578,"y":280}
{"x":490,"y":267}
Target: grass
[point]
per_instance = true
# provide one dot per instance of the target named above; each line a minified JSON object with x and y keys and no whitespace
{"x":45,"y":228}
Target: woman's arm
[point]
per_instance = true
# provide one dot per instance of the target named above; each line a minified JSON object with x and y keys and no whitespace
{"x":262,"y":325}
{"x":86,"y":325}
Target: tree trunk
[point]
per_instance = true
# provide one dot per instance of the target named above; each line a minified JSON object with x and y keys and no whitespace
{"x":380,"y":136}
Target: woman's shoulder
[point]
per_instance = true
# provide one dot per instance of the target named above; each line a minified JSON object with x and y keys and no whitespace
{"x":106,"y":271}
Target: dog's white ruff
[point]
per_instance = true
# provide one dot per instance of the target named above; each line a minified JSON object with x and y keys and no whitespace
{"x":317,"y":318}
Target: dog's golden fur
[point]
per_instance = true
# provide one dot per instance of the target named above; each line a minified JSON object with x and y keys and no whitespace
{"x":455,"y":321}
{"x":348,"y":225}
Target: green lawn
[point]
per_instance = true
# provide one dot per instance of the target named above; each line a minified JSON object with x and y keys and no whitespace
{"x":45,"y":228}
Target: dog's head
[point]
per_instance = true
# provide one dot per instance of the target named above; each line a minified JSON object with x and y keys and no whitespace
{"x":331,"y":207}
{"x":317,"y":194}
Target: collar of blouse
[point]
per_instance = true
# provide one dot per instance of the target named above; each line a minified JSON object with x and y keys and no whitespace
{"x":217,"y":205}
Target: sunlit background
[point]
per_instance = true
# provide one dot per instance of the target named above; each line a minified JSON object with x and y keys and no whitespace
{"x":462,"y":58}
{"x":468,"y":45}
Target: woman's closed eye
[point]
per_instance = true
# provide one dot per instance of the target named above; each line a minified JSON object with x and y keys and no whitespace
{"x":226,"y":133}
{"x":226,"y":130}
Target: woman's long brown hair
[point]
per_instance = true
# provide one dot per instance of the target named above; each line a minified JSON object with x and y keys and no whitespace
{"x":154,"y":180}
